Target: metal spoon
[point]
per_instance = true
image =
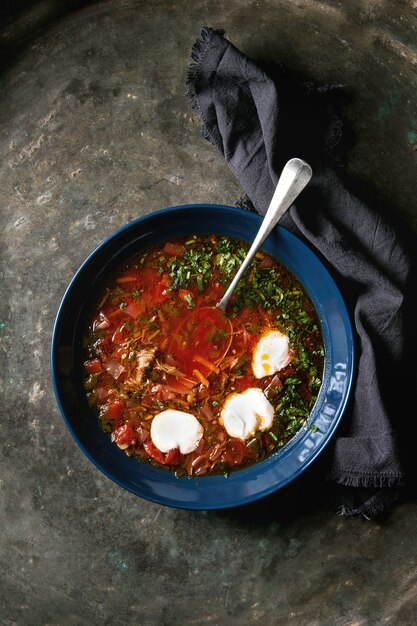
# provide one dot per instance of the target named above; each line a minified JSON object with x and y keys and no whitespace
{"x":294,"y":177}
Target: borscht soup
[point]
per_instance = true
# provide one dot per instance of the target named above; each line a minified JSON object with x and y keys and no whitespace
{"x":177,"y":382}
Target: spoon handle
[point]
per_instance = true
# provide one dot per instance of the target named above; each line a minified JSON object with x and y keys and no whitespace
{"x":294,"y":177}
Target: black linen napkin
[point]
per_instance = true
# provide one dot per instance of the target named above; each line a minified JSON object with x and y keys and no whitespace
{"x":259,"y":118}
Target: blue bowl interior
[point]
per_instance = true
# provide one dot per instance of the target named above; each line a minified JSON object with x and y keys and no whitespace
{"x":212,"y":492}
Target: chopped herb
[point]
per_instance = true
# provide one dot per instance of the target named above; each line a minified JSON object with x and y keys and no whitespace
{"x":263,"y":284}
{"x":184,"y":270}
{"x":228,"y":262}
{"x":123,"y":305}
{"x":292,"y":380}
{"x":189,"y":299}
{"x":225,"y":245}
{"x":200,"y":282}
{"x":314,"y":384}
{"x":305,"y":359}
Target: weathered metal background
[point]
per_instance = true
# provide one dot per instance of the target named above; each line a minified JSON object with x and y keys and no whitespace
{"x":94,"y":131}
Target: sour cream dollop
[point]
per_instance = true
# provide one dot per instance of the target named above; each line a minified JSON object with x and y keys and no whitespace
{"x":271,"y":354}
{"x":245,"y":413}
{"x":176,"y":429}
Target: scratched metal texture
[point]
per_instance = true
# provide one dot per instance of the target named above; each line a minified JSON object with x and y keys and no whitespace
{"x":95,"y":131}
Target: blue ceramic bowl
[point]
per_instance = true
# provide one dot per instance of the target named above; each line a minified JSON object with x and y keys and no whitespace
{"x":210,"y":492}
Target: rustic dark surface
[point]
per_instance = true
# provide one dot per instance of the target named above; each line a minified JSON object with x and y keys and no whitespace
{"x":95,"y":131}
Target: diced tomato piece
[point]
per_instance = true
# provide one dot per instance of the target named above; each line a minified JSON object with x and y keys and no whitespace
{"x":135,"y":308}
{"x":93,"y":366}
{"x":156,"y":287}
{"x":120,"y":335}
{"x":162,"y":393}
{"x":147,"y":298}
{"x":173,"y":249}
{"x":234,"y":452}
{"x":160,"y":293}
{"x":153,"y":452}
{"x":125,"y":435}
{"x":173,"y":457}
{"x":113,"y":410}
{"x":149,"y":277}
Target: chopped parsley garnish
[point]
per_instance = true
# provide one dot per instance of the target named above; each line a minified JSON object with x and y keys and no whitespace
{"x":225,"y":245}
{"x":262,"y":287}
{"x":229,"y":262}
{"x":189,"y":299}
{"x":194,"y":266}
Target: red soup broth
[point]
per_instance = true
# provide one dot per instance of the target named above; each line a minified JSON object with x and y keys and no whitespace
{"x":156,"y":341}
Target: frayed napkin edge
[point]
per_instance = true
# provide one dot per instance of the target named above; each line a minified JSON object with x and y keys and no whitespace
{"x":198,"y":52}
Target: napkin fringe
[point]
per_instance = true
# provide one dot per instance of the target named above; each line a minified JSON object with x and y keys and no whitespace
{"x":372,"y":508}
{"x":325,"y":100}
{"x":193,"y":73}
{"x":366,"y":481}
{"x":206,"y":35}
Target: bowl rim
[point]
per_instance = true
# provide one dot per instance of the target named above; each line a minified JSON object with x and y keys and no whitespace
{"x":156,"y":498}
